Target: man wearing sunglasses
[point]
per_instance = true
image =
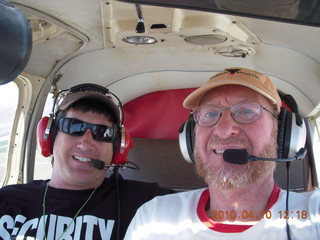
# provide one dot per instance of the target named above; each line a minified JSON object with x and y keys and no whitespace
{"x":234,"y":112}
{"x":79,"y":201}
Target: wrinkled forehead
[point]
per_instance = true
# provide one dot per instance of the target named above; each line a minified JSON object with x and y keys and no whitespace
{"x":232,"y":94}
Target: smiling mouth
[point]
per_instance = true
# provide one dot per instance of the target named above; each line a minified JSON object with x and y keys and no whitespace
{"x":82,"y":159}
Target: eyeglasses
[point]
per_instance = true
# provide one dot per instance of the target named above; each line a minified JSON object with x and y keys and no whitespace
{"x":76,"y":127}
{"x":243,"y":112}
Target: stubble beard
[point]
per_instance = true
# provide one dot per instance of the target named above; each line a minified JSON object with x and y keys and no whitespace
{"x":233,"y":176}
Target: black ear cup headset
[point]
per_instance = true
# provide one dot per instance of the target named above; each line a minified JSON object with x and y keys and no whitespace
{"x":292,"y":135}
{"x":46,"y":130}
{"x":291,"y":132}
{"x":291,"y":140}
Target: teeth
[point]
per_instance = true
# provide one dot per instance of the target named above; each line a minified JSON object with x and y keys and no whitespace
{"x":82,"y":159}
{"x":218,"y":151}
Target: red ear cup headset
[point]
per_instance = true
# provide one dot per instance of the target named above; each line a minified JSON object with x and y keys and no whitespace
{"x":46,"y":129}
{"x":44,"y":136}
{"x":122,"y":148}
{"x":291,"y":132}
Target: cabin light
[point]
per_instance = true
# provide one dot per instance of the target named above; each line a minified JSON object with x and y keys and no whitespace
{"x":139,"y":40}
{"x":208,"y":39}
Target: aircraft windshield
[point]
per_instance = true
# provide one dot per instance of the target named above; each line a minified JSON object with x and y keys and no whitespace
{"x":293,"y":11}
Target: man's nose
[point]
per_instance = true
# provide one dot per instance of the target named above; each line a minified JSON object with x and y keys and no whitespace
{"x":226,"y":126}
{"x":86,"y":140}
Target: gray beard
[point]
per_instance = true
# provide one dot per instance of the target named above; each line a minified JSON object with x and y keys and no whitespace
{"x":234,"y":176}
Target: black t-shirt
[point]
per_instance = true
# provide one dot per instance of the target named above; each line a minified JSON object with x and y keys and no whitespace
{"x":23,"y":215}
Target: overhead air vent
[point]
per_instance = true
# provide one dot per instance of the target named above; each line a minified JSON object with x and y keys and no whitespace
{"x":236,"y":51}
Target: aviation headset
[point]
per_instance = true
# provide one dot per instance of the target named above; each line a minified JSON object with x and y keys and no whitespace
{"x":47,"y":127}
{"x":291,"y":132}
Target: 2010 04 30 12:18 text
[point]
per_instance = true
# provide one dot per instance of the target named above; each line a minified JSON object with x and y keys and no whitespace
{"x":251,"y":215}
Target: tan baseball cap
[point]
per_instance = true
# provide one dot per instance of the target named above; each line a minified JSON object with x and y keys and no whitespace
{"x":236,"y":76}
{"x":71,"y":98}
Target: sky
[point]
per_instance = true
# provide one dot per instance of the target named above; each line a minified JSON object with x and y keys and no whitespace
{"x":8,"y":92}
{"x":8,"y":102}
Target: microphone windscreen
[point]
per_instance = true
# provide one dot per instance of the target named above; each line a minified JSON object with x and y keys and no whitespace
{"x":236,"y":156}
{"x":98,"y":164}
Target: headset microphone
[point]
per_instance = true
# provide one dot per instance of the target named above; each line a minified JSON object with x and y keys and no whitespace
{"x":241,"y":156}
{"x":98,"y":164}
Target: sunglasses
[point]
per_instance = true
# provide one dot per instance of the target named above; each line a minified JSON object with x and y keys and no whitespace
{"x":243,"y":112}
{"x":76,"y":127}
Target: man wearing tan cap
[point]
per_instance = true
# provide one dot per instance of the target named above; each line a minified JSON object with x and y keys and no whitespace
{"x":86,"y":138}
{"x":236,"y":111}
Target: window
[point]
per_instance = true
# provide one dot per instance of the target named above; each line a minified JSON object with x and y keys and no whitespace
{"x":9,"y":94}
{"x":316,"y":149}
{"x":318,"y":125}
